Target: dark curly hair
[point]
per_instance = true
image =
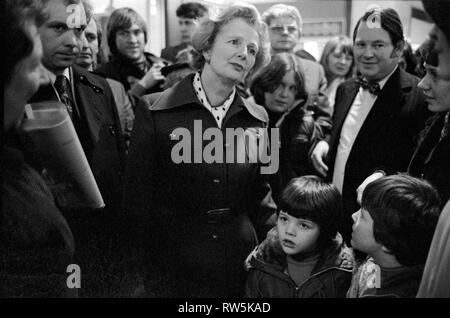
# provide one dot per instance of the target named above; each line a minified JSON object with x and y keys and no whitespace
{"x":191,"y":10}
{"x":311,"y":198}
{"x":405,"y":211}
{"x":390,"y":22}
{"x":269,"y":78}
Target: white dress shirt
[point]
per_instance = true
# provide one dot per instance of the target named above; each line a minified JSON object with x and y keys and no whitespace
{"x":360,"y":109}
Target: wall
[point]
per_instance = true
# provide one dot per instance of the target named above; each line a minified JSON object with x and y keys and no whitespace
{"x":416,"y":31}
{"x":349,"y":11}
{"x":311,"y":10}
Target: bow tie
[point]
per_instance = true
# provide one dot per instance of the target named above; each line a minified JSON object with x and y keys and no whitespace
{"x":374,"y":88}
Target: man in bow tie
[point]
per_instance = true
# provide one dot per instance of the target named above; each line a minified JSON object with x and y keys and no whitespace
{"x":377,"y":116}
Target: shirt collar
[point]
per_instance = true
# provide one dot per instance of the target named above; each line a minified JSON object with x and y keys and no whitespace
{"x":384,"y":80}
{"x":52,"y":76}
{"x":171,"y":98}
{"x":200,"y":92}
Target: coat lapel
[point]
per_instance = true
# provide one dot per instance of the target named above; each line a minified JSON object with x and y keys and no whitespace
{"x":87,"y":100}
{"x":387,"y":105}
{"x":344,"y":99}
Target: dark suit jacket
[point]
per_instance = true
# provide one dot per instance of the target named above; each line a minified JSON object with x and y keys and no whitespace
{"x":387,"y":138}
{"x":431,"y":160}
{"x":170,"y":53}
{"x":99,"y":131}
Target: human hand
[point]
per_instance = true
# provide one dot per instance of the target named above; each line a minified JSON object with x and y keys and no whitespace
{"x":153,"y":76}
{"x":374,"y":176}
{"x":318,"y":155}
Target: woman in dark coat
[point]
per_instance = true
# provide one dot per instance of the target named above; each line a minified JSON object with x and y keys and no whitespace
{"x":194,"y":209}
{"x":36,"y":244}
{"x":432,"y":156}
{"x":280,"y":88}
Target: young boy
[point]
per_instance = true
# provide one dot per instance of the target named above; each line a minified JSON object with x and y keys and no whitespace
{"x":304,"y":255}
{"x":394,"y":227}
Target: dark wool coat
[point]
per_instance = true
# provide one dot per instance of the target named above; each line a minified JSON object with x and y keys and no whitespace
{"x":431,"y":160}
{"x":99,"y":131}
{"x":172,"y":205}
{"x":124,"y":71}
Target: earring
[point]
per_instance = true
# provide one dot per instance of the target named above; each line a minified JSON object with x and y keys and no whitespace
{"x":207,"y":57}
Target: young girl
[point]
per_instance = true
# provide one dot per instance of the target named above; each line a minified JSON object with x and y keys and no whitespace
{"x":303,"y":255}
{"x":280,"y":88}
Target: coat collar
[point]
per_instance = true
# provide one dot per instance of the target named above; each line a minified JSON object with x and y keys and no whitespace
{"x":89,"y":79}
{"x":269,"y":254}
{"x":171,"y":98}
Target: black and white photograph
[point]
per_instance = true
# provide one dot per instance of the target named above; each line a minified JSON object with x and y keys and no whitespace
{"x":225,"y":154}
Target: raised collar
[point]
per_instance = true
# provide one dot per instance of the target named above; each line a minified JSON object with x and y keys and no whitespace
{"x":171,"y":98}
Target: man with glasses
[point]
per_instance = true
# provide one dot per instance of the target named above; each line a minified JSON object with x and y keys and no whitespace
{"x":138,"y":71}
{"x":285,"y":29}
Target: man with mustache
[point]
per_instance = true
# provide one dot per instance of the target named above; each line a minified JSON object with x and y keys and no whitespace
{"x":377,"y":117}
{"x":92,"y":109}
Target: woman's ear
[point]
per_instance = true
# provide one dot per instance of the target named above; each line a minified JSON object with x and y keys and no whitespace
{"x":207,"y":56}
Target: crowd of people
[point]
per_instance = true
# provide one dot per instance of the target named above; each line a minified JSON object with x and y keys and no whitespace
{"x":233,"y":165}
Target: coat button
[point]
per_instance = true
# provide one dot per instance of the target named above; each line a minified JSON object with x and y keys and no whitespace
{"x":112,"y":130}
{"x":216,"y":181}
{"x":215,"y":236}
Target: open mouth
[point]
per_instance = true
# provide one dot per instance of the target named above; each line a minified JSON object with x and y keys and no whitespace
{"x":288,"y":243}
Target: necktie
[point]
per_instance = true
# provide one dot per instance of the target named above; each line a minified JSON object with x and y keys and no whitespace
{"x":62,"y":85}
{"x":373,"y":88}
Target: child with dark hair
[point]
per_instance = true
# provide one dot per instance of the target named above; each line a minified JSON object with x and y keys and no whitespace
{"x":304,"y":255}
{"x":394,"y":227}
{"x":280,"y":88}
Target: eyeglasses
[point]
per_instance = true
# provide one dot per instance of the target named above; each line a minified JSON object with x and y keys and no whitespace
{"x":280,"y":28}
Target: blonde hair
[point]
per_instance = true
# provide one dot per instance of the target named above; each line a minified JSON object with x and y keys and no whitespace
{"x":203,"y":38}
{"x":343,"y":44}
{"x":283,"y":10}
